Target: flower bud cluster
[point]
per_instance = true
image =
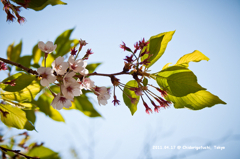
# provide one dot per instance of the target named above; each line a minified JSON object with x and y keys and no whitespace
{"x":139,"y":72}
{"x":71,"y":77}
{"x":12,"y":11}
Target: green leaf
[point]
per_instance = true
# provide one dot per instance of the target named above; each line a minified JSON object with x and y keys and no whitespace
{"x":195,"y":56}
{"x":127,"y":101}
{"x":157,"y":46}
{"x":10,"y":50}
{"x":16,"y":118}
{"x":38,"y":5}
{"x":22,"y":80}
{"x":25,"y":95}
{"x":145,"y":81}
{"x":36,"y":65}
{"x":55,"y":89}
{"x":43,"y":153}
{"x":25,"y":61}
{"x":178,"y":81}
{"x":49,"y":61}
{"x":30,"y":114}
{"x":91,"y":67}
{"x":195,"y":101}
{"x":36,"y":53}
{"x":13,"y":52}
{"x":64,"y":44}
{"x":44,"y":104}
{"x":25,"y":106}
{"x":167,"y":65}
{"x":83,"y":104}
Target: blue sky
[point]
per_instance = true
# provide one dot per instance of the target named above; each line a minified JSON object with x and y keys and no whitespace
{"x":211,"y":27}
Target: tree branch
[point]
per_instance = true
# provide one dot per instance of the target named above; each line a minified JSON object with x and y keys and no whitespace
{"x":18,"y":153}
{"x":20,"y":66}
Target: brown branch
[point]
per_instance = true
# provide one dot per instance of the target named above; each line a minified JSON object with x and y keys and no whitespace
{"x":18,"y":153}
{"x":36,"y":73}
{"x":108,"y":75}
{"x":20,"y":66}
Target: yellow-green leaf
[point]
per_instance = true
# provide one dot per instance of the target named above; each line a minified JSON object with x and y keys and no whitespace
{"x":91,"y":67}
{"x":10,"y":50}
{"x":64,"y":44}
{"x":22,"y":80}
{"x":36,"y":53}
{"x":49,"y":61}
{"x":38,"y":5}
{"x":43,"y":153}
{"x":25,"y":61}
{"x":195,"y":101}
{"x":25,"y":95}
{"x":157,"y":46}
{"x":44,"y":104}
{"x":131,"y":94}
{"x":167,"y":65}
{"x":178,"y":81}
{"x":15,"y":118}
{"x":195,"y":56}
{"x":83,"y":104}
{"x":25,"y":106}
{"x":13,"y":52}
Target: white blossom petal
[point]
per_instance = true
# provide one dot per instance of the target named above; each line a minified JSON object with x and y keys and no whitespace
{"x":59,"y":102}
{"x":44,"y":82}
{"x":48,"y":47}
{"x":41,"y":45}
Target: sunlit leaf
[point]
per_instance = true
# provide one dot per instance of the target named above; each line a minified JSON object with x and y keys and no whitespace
{"x":157,"y":46}
{"x":64,"y":44}
{"x":25,"y":95}
{"x":195,"y":101}
{"x":31,"y":116}
{"x":49,"y":61}
{"x":43,"y":153}
{"x":22,"y":80}
{"x":91,"y":67}
{"x":195,"y":56}
{"x":10,"y":50}
{"x":38,"y":5}
{"x":13,"y":52}
{"x":25,"y":61}
{"x":36,"y":53}
{"x":83,"y":104}
{"x":15,"y":118}
{"x":25,"y":105}
{"x":178,"y":81}
{"x":55,"y":89}
{"x":127,"y":101}
{"x":165,"y":66}
{"x":44,"y":104}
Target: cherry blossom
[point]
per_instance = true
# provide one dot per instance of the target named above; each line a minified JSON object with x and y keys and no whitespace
{"x":47,"y":76}
{"x":59,"y":66}
{"x":86,"y":83}
{"x":103,"y":95}
{"x":60,"y":101}
{"x":78,"y":65}
{"x":68,"y":78}
{"x":48,"y":47}
{"x":71,"y":90}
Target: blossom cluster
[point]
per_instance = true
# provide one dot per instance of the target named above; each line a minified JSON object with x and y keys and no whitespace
{"x":71,"y":77}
